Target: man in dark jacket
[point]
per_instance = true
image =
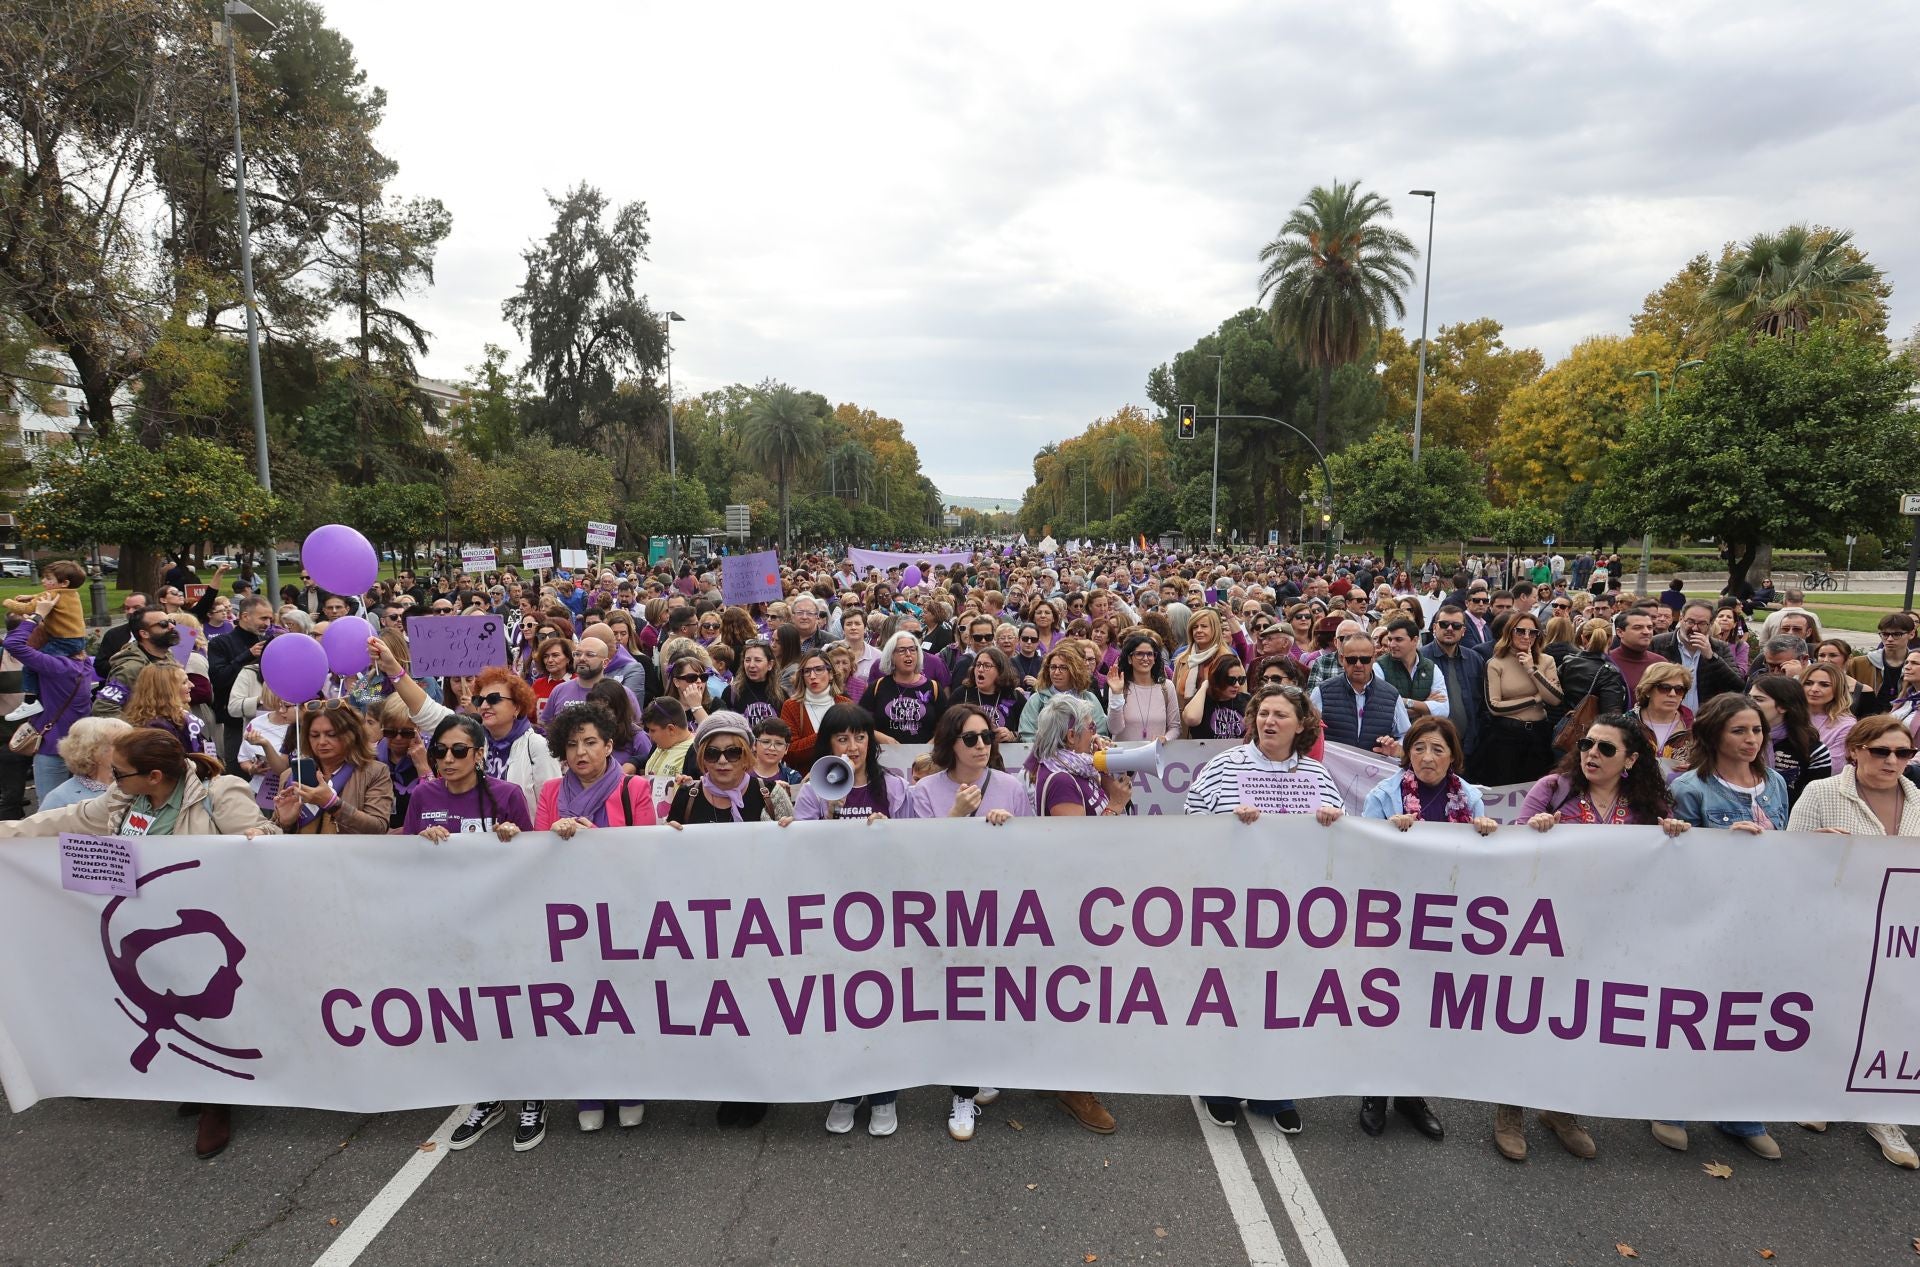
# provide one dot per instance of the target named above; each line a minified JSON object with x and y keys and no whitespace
{"x":118,"y":635}
{"x":1464,"y":670}
{"x":1706,"y":659}
{"x":226,"y":656}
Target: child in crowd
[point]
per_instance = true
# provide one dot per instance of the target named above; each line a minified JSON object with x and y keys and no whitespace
{"x":776,"y":778}
{"x":260,"y":755}
{"x":62,"y":633}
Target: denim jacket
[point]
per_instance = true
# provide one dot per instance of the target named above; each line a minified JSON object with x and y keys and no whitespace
{"x":1707,"y":802}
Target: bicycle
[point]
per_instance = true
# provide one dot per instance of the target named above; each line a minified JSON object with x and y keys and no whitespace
{"x":1818,"y":579}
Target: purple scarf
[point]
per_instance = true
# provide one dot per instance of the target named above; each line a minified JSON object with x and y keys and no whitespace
{"x":498,"y":750}
{"x":734,"y":800}
{"x":588,"y":800}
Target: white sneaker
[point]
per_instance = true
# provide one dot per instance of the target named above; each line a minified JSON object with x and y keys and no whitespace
{"x":1893,"y":1145}
{"x":630,"y":1114}
{"x":883,"y":1120}
{"x":29,"y":709}
{"x":840,"y":1117}
{"x":592,"y":1119}
{"x":960,"y":1119}
{"x":986,"y":1095}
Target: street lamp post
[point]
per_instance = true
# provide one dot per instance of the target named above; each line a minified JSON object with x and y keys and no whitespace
{"x":242,"y":19}
{"x":673,"y":458}
{"x":83,"y":435}
{"x":1426,"y":293}
{"x":1213,"y":513}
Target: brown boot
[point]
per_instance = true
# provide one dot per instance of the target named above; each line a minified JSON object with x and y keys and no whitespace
{"x":1088,"y":1111}
{"x":1573,"y":1136}
{"x":1510,"y":1132}
{"x":216,"y":1129}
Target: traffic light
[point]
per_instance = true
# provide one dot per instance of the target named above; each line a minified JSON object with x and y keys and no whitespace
{"x":1186,"y":422}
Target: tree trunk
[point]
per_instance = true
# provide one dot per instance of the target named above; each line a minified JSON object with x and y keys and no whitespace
{"x":95,"y":385}
{"x":786,"y":522}
{"x":1746,"y":560}
{"x":1323,"y":404}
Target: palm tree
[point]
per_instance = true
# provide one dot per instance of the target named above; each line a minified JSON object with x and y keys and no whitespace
{"x":1333,"y":273}
{"x":1118,"y":455}
{"x":780,"y":429}
{"x":1780,"y":282}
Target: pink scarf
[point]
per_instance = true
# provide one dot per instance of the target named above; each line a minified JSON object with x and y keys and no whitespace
{"x":1457,"y":808}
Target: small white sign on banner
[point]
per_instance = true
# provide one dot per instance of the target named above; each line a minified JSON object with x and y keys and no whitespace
{"x":99,"y":864}
{"x":537,"y":557}
{"x":599,"y":534}
{"x":1275,"y":792}
{"x":573,"y":558}
{"x":477,"y":559}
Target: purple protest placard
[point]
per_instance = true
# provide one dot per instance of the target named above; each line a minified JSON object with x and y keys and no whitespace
{"x":750,"y":578}
{"x":183,"y":645}
{"x":99,"y":864}
{"x":446,"y":646}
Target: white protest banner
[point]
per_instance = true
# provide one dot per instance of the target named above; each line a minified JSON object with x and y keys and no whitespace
{"x":478,"y":558}
{"x":537,"y":557}
{"x":599,"y":534}
{"x":1600,"y":970}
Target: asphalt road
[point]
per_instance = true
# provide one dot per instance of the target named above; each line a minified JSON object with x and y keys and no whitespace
{"x":112,"y":1182}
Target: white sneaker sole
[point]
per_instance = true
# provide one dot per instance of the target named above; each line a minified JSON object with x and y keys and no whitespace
{"x":986,"y":1096}
{"x":957,"y":1134}
{"x":457,"y":1144}
{"x":528,"y":1146}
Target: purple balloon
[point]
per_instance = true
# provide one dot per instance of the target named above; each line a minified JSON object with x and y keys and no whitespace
{"x":340,"y":560}
{"x":345,"y":643}
{"x":295,"y":666}
{"x":912,"y":575}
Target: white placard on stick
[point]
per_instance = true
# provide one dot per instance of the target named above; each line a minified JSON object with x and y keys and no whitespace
{"x":478,"y":559}
{"x":599,"y":534}
{"x":573,"y":558}
{"x":537,"y":557}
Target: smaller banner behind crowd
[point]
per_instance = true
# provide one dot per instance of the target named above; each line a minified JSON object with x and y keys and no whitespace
{"x":1600,"y":970}
{"x":884,"y":559}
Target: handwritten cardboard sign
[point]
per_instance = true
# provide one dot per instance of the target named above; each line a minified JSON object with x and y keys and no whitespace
{"x":447,"y":646}
{"x":537,"y":557}
{"x":599,"y":534}
{"x":1272,"y":792}
{"x":99,"y":864}
{"x":750,"y":578}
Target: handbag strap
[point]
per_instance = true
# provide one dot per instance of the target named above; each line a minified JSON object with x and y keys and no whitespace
{"x":61,"y":711}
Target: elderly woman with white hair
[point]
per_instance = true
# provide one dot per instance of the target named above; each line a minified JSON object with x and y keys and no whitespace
{"x":903,"y":701}
{"x":88,"y":751}
{"x":1066,"y":785}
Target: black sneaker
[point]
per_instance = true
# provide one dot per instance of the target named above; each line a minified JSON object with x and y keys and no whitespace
{"x":533,"y":1126}
{"x":482,"y":1118}
{"x":1289,"y":1121}
{"x":1222,"y":1112}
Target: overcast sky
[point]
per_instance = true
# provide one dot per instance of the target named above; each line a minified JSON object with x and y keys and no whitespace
{"x":992,"y":221}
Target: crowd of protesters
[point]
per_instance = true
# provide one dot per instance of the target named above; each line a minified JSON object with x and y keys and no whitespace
{"x":637,"y":696}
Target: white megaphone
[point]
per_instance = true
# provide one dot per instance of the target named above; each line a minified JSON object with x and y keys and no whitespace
{"x":1148,"y":756}
{"x":832,"y":778}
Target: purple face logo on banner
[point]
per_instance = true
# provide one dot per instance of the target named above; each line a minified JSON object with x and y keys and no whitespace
{"x":163,"y":1010}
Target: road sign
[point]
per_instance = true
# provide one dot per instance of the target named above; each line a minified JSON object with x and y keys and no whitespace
{"x":1910,"y":503}
{"x":739,"y":521}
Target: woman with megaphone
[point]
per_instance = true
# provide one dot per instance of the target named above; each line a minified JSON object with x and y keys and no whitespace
{"x":848,"y":782}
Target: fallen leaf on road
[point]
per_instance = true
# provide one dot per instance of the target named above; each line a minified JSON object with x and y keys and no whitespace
{"x":1766,"y":1253}
{"x":1106,"y":1162}
{"x":1160,"y":1232}
{"x":1093,"y":1258}
{"x":1916,"y":1244}
{"x":1625,"y":1250}
{"x":333,"y":1222}
{"x":1014,"y":1122}
{"x":1718,"y":1169}
{"x":1032,"y":1186}
{"x":428,"y":1146}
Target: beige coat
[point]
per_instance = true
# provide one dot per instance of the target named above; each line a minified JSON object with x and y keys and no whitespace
{"x":223,"y":807}
{"x":1836,"y":802}
{"x":1517,"y":692}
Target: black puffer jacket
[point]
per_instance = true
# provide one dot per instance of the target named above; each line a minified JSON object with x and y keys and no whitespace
{"x":1585,"y":671}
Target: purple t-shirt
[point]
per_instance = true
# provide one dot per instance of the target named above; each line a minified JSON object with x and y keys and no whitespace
{"x":431,"y":805}
{"x":1052,"y":787}
{"x":932,"y":797}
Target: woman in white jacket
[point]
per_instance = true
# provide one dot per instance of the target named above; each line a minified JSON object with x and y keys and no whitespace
{"x":505,"y":705}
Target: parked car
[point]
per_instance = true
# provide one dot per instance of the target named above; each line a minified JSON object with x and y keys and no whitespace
{"x":223,"y":561}
{"x":10,"y":567}
{"x":109,"y":565}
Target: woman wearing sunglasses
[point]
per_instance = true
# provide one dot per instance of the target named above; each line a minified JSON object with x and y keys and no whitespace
{"x":1523,"y":683}
{"x":1658,"y":708}
{"x":1028,"y":661}
{"x":504,"y":704}
{"x":1869,"y":797}
{"x":337,"y":785}
{"x":1219,"y":711}
{"x":460,"y":798}
{"x":400,"y":749}
{"x":1731,"y":786}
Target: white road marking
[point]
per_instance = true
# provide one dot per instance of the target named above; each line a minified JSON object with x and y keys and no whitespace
{"x":386,"y":1203}
{"x":1243,"y":1198}
{"x":1297,"y":1199}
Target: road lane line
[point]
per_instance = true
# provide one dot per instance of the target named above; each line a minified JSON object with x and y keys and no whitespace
{"x":1297,"y":1199}
{"x":386,"y":1203}
{"x":1243,"y":1198}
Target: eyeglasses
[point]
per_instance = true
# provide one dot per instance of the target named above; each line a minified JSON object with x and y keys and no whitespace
{"x":1236,"y":679}
{"x":974,"y":738}
{"x":1449,"y":624}
{"x":1560,"y":607}
{"x":391,"y":732}
{"x":982,"y":639}
{"x":1478,"y":598}
{"x":458,"y":751}
{"x":1670,"y":688}
{"x":443,"y":611}
{"x":1356,"y":659}
{"x":1025,"y":638}
{"x":1876,"y":752}
{"x":812,"y":669}
{"x":728,"y":755}
{"x":492,"y":699}
{"x":119,"y":774}
{"x":1525,"y":631}
{"x":1607,"y":747}
{"x":1273,"y":679}
{"x":325,"y":705}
